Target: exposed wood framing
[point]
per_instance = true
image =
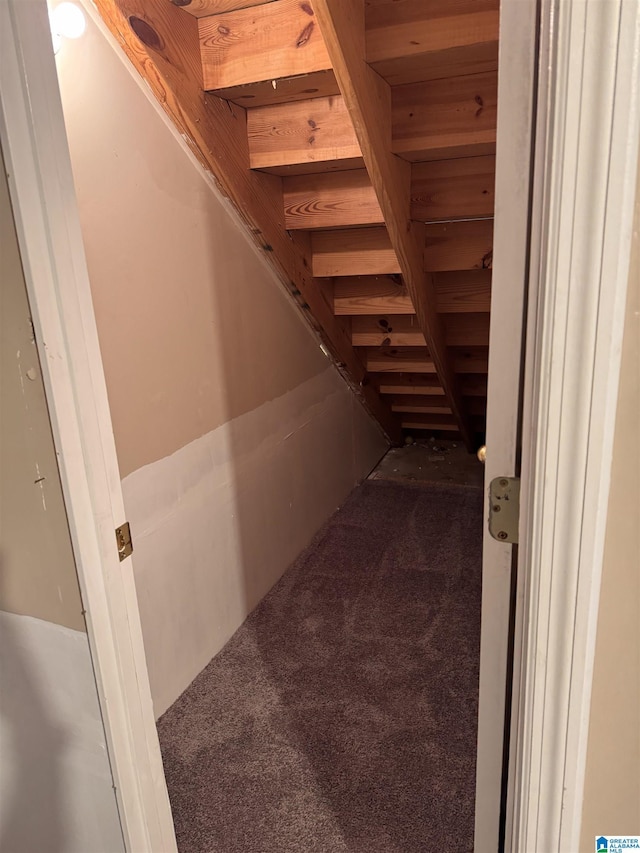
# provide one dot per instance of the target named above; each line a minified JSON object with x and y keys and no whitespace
{"x":453,"y":189}
{"x":368,"y":98}
{"x":331,"y":200}
{"x":162,"y":43}
{"x":302,"y":132}
{"x":412,"y":40}
{"x":354,"y":251}
{"x":357,"y":141}
{"x":262,"y":43}
{"x":459,"y":246}
{"x":200,"y":8}
{"x":443,"y":119}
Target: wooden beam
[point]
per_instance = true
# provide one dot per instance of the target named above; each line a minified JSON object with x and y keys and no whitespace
{"x":420,"y":404}
{"x":331,"y":200}
{"x":464,"y":292}
{"x":429,"y":422}
{"x":261,"y":43}
{"x":414,"y":40}
{"x":453,"y":189}
{"x":371,"y":295}
{"x":320,"y":84}
{"x":392,"y":330}
{"x":474,"y":386}
{"x":200,"y":8}
{"x":392,"y":360}
{"x":368,"y":98}
{"x":304,"y":132}
{"x":443,"y":119}
{"x":353,"y":251}
{"x":161,"y":42}
{"x":314,"y":167}
{"x":459,"y":245}
{"x":456,"y":293}
{"x":402,"y":330}
{"x":467,"y":329}
{"x":477,"y":406}
{"x":408,"y":384}
{"x":469,"y":359}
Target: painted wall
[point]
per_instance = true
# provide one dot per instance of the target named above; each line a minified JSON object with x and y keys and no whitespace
{"x":612,"y":786}
{"x":37,"y":572}
{"x":236,"y":437}
{"x":56,"y":788}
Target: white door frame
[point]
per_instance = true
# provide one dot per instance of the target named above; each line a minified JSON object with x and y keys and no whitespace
{"x":41,"y":187}
{"x":584,"y":120}
{"x":582,"y":221}
{"x":516,"y":118}
{"x":583,"y":197}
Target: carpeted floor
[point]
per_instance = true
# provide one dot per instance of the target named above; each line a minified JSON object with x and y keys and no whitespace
{"x":342,"y":715}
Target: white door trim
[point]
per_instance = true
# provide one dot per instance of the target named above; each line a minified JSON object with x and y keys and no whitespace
{"x":516,"y":118}
{"x":582,"y":226}
{"x":36,"y":156}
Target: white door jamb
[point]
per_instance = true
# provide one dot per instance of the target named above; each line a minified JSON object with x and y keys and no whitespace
{"x":36,"y":156}
{"x":516,"y":118}
{"x":582,"y":227}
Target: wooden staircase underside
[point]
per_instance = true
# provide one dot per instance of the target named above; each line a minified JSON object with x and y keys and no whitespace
{"x":356,"y":138}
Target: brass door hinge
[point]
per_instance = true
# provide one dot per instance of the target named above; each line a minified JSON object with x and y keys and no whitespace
{"x":123,"y":539}
{"x":504,"y":508}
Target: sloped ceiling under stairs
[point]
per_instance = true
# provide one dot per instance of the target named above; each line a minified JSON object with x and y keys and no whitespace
{"x":356,"y":138}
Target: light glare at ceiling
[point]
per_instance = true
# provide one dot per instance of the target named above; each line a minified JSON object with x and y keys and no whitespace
{"x":67,"y":21}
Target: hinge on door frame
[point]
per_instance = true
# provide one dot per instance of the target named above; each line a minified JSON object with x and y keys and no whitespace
{"x":124,"y":541}
{"x":504,"y":508}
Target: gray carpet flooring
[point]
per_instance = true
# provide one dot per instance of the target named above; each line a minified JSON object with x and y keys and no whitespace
{"x":342,"y":715}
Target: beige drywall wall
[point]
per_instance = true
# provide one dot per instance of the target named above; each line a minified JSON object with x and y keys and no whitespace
{"x":56,"y":787}
{"x":236,"y":437}
{"x":612,"y":784}
{"x":192,"y":328}
{"x":37,"y":570}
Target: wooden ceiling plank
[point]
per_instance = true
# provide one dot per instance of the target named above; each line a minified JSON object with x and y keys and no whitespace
{"x":441,"y":119}
{"x":201,"y":8}
{"x":304,"y":132}
{"x":414,"y":40}
{"x":429,"y":422}
{"x":477,"y":406}
{"x":261,"y":43}
{"x":418,"y":360}
{"x":459,"y":245}
{"x":320,"y":84}
{"x":402,"y":330}
{"x":454,"y":62}
{"x":394,"y":360}
{"x":464,"y":292}
{"x":474,"y":386}
{"x":408,"y":384}
{"x":161,"y":42}
{"x":368,"y":98}
{"x":353,"y":251}
{"x":420,"y":404}
{"x":470,"y":329}
{"x":331,"y":200}
{"x":470,"y":359}
{"x":371,"y":295}
{"x":314,"y":167}
{"x":393,"y":330}
{"x":443,"y":190}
